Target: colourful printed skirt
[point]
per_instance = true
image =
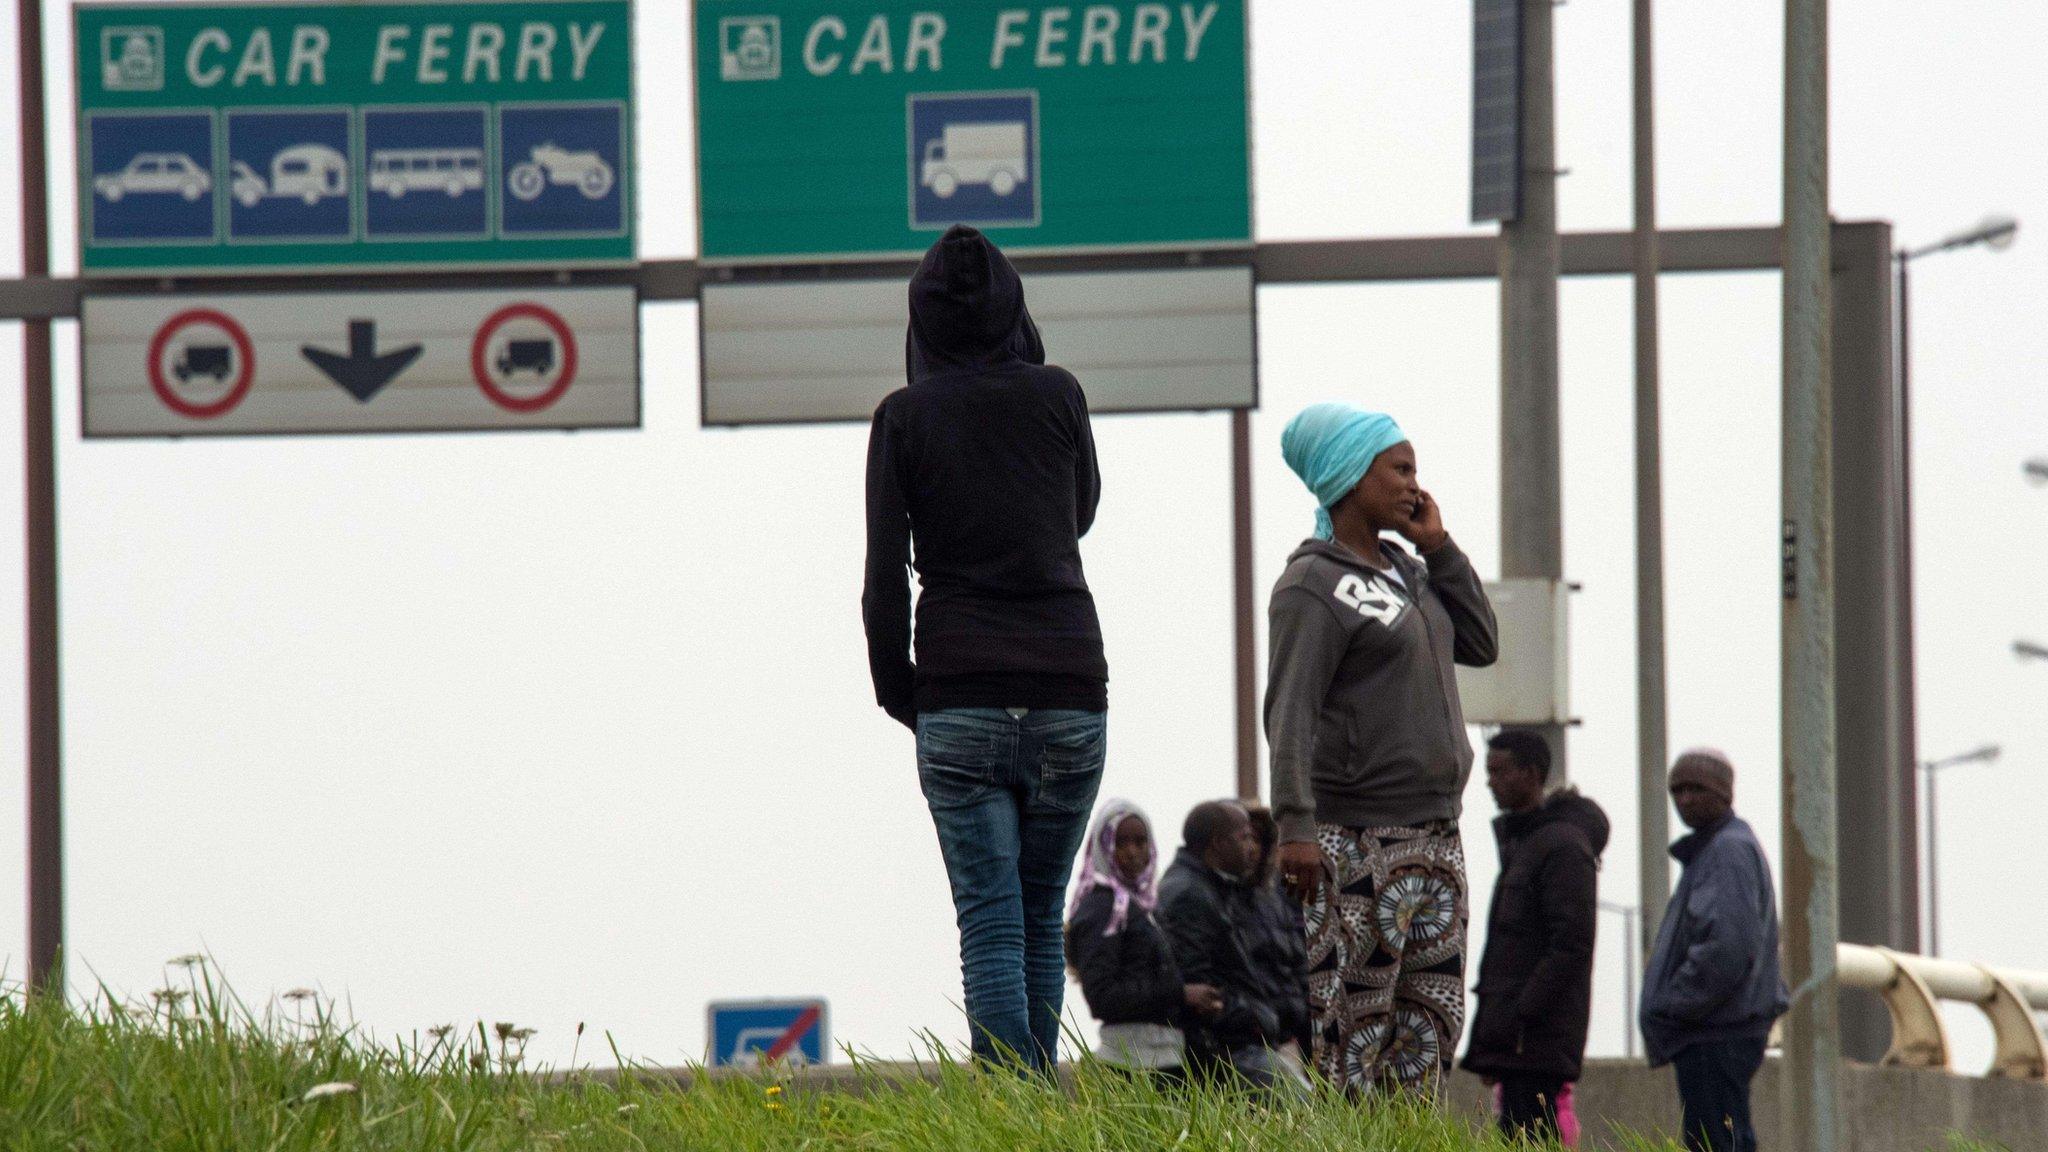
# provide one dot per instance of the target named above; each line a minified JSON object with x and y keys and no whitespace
{"x":1386,"y":955}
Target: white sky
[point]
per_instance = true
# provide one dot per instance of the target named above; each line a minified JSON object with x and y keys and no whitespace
{"x":558,"y":728}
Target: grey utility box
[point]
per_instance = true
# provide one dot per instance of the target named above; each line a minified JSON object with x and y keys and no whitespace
{"x":1529,"y":684}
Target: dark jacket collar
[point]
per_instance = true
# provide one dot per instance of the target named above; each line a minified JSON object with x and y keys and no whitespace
{"x":1193,"y":862}
{"x":1691,"y":846}
{"x":1509,"y":827}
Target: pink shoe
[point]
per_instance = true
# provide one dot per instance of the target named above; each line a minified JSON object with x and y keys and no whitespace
{"x":1567,"y":1118}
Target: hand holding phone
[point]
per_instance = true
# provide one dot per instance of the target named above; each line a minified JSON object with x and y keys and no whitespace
{"x":1425,"y":528}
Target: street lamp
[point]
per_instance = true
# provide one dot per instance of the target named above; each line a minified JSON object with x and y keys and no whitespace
{"x":2028,"y":650}
{"x":1995,"y":232}
{"x":1627,"y":912}
{"x":1931,"y":770}
{"x":2037,"y":470}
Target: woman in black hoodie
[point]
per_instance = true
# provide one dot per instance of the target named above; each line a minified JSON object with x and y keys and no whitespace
{"x":987,"y":462}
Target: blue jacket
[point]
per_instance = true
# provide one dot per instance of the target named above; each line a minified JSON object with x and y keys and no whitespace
{"x":1714,"y":974}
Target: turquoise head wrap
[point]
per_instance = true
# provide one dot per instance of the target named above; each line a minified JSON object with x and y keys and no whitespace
{"x":1331,"y":446}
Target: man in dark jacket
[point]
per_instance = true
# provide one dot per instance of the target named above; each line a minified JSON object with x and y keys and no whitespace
{"x":986,"y":460}
{"x":1713,"y":989}
{"x":1206,"y":906}
{"x":1536,"y":979}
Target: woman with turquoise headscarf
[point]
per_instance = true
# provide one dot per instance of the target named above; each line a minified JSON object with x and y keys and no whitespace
{"x":1370,"y":755}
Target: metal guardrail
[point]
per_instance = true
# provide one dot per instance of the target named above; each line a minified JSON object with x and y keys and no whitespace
{"x":1912,"y":987}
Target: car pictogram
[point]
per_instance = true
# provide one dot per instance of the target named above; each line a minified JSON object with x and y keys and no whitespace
{"x":156,"y":172}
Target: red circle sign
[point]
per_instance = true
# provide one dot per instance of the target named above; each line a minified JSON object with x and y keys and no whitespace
{"x":479,"y":357}
{"x":245,"y":373}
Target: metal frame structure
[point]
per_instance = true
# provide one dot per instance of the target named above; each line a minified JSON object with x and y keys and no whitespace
{"x":1880,"y":889}
{"x":1467,"y":257}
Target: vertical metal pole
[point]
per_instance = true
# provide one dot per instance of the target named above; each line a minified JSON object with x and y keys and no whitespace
{"x":1652,"y":815}
{"x":1908,"y":703}
{"x":1532,"y":533}
{"x":1933,"y":866}
{"x":1628,"y":1022}
{"x":1242,"y":603}
{"x":1878,"y":902}
{"x":1812,"y":1062}
{"x":39,"y":461}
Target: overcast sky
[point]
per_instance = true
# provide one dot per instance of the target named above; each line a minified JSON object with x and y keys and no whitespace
{"x":577,"y":728}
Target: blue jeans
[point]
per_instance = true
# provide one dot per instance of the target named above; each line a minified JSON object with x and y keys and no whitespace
{"x":1010,"y":792}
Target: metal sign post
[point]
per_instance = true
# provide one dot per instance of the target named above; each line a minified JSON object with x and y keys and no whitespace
{"x":1653,"y":821}
{"x":39,"y":546}
{"x":1531,"y":465}
{"x":1812,"y":1097}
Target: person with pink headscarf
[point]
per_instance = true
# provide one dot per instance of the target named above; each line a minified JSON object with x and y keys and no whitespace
{"x":1126,"y":968}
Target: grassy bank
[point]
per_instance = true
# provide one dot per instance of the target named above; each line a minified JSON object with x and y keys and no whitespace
{"x":196,"y":1070}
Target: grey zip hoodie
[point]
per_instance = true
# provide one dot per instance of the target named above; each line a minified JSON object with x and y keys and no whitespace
{"x":1362,"y":704}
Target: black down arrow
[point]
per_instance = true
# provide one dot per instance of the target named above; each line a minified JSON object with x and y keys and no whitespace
{"x":362,"y":372}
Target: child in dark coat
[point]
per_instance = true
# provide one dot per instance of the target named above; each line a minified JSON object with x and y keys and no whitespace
{"x":1126,"y":969}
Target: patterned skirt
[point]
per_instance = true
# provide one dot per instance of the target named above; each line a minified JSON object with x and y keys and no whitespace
{"x":1386,"y":955}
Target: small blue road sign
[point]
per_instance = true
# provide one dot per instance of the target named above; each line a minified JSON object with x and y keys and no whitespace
{"x":428,"y":173}
{"x":151,"y":176}
{"x":290,"y":176}
{"x":563,"y":166}
{"x":974,"y":159}
{"x":748,"y":1032}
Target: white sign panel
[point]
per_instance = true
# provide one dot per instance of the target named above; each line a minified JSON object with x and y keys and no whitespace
{"x":1529,"y":683}
{"x":431,"y":361}
{"x":1153,"y":341}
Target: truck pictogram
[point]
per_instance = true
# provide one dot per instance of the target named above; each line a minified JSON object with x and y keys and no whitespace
{"x":976,"y":153}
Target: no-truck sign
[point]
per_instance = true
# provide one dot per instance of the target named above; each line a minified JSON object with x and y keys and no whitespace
{"x":315,"y":362}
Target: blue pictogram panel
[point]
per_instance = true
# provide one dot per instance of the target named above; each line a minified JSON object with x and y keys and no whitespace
{"x":743,"y":1033}
{"x":563,"y":169}
{"x":151,"y":177}
{"x":428,"y":173}
{"x":974,"y":159}
{"x":290,"y":176}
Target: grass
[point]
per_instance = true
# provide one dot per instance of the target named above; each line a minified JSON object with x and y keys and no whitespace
{"x":196,"y":1070}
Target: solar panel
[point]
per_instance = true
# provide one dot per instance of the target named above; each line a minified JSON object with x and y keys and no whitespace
{"x":1496,"y":110}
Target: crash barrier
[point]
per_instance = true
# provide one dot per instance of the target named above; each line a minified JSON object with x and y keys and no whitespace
{"x":1912,"y":986}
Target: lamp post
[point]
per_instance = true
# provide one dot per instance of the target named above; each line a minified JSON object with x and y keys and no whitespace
{"x":1932,"y":771}
{"x":1997,"y":233}
{"x":1994,"y":232}
{"x":1629,"y":972}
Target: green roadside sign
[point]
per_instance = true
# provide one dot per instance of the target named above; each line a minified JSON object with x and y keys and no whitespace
{"x":353,"y":134}
{"x":832,"y":131}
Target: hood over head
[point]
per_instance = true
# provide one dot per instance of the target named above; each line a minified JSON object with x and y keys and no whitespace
{"x":967,"y":309}
{"x":1582,"y":811}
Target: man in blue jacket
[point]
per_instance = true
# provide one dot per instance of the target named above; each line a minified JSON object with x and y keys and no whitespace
{"x":1713,"y":987}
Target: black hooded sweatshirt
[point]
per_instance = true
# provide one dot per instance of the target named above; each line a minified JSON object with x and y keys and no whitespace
{"x":1536,"y":979}
{"x":986,"y":460}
